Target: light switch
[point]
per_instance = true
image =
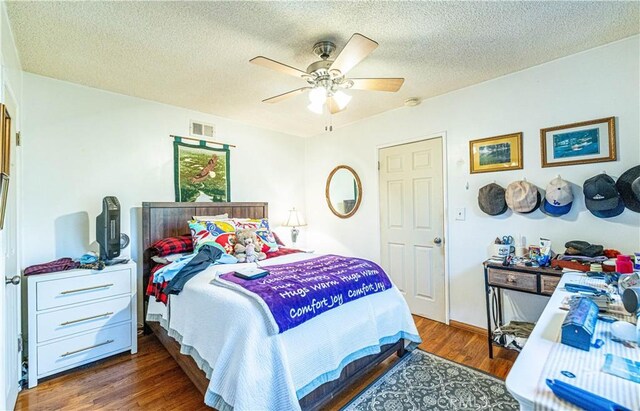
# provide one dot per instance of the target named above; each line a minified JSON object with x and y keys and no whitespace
{"x":460,"y":214}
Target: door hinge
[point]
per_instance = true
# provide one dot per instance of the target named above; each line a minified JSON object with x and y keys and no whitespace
{"x":18,"y":140}
{"x":20,"y":343}
{"x":378,"y":166}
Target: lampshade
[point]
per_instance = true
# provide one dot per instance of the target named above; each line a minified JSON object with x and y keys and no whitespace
{"x":341,"y":98}
{"x":316,"y":108}
{"x":318,"y":95}
{"x":295,"y":219}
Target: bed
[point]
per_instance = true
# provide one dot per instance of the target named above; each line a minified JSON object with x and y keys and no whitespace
{"x":206,"y":354}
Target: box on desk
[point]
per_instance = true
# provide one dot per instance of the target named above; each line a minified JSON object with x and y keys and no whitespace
{"x":580,"y":324}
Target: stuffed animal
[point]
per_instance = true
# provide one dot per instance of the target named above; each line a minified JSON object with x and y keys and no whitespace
{"x":246,"y":248}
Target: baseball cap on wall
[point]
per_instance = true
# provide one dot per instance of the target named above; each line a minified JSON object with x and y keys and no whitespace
{"x":522,"y":197}
{"x":628,"y":186}
{"x":601,"y":196}
{"x":558,"y":198}
{"x":491,"y":199}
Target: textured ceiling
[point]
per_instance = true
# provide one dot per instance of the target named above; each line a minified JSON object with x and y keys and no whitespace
{"x":195,"y":54}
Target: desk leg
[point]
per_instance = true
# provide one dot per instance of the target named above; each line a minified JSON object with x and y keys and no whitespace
{"x":500,"y":319}
{"x":489,"y":331}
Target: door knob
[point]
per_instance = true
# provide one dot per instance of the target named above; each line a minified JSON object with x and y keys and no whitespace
{"x":437,"y":240}
{"x":15,"y":280}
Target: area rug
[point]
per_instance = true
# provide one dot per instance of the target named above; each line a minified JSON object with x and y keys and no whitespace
{"x":423,"y":381}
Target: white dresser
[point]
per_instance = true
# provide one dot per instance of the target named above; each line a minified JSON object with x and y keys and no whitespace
{"x":79,"y":316}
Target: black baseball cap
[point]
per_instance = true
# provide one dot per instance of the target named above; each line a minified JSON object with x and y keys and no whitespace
{"x":628,"y":186}
{"x":601,"y":196}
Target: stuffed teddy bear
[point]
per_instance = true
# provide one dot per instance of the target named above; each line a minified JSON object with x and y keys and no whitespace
{"x":246,"y":248}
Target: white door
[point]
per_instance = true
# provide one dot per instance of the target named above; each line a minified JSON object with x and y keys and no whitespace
{"x":11,"y":274}
{"x":412,"y":224}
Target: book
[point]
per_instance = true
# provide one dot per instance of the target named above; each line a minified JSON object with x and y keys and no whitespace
{"x":251,"y":273}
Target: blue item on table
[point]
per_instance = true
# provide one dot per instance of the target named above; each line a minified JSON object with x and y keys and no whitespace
{"x":622,"y":367}
{"x":579,"y":288}
{"x":582,"y":398}
{"x":580,"y":323}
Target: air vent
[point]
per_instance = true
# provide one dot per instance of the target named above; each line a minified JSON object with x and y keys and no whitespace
{"x":199,"y":129}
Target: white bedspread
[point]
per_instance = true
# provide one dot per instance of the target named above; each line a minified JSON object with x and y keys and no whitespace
{"x":249,"y":369}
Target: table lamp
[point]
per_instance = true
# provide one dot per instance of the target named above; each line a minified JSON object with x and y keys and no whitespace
{"x":294,"y":221}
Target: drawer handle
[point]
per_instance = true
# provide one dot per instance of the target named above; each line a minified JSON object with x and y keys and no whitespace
{"x":87,"y":348}
{"x":511,"y":279}
{"x":78,"y":290}
{"x":86,"y":319}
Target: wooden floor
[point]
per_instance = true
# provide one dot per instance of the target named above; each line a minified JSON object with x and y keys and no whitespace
{"x":151,"y":380}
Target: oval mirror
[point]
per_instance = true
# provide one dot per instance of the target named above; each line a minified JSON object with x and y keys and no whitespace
{"x":343,"y":191}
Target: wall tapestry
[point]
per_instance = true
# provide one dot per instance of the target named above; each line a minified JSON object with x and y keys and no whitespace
{"x":201,"y":172}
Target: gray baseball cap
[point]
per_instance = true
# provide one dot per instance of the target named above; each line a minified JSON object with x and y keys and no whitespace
{"x":491,"y":199}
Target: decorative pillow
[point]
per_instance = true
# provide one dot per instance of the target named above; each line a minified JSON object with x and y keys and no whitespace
{"x":173,"y":245}
{"x":218,"y":217}
{"x":261,"y":228}
{"x":221,"y":234}
{"x":277,"y":238}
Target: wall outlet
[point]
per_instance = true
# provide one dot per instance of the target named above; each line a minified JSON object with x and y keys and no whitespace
{"x":460,"y":214}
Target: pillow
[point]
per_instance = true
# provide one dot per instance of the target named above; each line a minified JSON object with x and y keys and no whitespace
{"x":224,"y":216}
{"x":221,"y":234}
{"x":173,"y":245}
{"x":261,"y":228}
{"x":167,"y":259}
{"x":277,"y":238}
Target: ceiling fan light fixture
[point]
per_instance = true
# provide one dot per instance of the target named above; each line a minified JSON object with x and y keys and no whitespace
{"x":317,"y":96}
{"x":317,"y":108}
{"x":341,"y":98}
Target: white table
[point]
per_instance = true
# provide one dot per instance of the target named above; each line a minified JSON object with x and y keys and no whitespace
{"x":524,"y":380}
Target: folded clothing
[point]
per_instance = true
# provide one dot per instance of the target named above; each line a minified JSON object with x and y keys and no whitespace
{"x":61,"y":264}
{"x":582,"y":258}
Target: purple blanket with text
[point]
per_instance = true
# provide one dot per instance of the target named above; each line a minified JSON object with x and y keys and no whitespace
{"x":296,"y":292}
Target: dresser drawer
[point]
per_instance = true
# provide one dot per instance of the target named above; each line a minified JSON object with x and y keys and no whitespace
{"x":513,"y":279}
{"x":83,"y":348}
{"x":78,"y":289}
{"x":68,"y":321}
{"x":548,"y":284}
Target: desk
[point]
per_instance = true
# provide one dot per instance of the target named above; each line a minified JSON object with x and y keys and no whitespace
{"x":524,"y":381}
{"x":531,"y":280}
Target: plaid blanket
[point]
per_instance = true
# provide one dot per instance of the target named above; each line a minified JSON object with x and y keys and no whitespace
{"x":155,"y":289}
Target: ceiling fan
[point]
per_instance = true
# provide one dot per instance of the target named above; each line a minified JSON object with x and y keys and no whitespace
{"x":327,"y":76}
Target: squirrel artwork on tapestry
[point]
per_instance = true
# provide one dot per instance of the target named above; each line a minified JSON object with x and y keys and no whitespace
{"x":247,"y":248}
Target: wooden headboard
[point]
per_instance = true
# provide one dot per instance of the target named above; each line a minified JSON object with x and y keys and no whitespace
{"x":161,"y":220}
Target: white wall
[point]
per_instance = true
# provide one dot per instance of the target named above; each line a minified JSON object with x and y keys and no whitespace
{"x":81,"y":144}
{"x":597,"y":83}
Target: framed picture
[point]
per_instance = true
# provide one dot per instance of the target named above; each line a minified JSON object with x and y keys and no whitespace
{"x":201,"y":173}
{"x":498,"y":153}
{"x":579,"y":143}
{"x":4,"y":193}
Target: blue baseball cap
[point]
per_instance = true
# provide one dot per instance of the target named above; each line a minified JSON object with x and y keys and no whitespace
{"x":558,"y":198}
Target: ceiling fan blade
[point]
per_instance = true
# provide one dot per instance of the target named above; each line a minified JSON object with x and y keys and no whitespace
{"x":377,"y":84}
{"x":284,"y":96}
{"x":358,"y":47}
{"x":333,"y":106}
{"x":277,"y":66}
